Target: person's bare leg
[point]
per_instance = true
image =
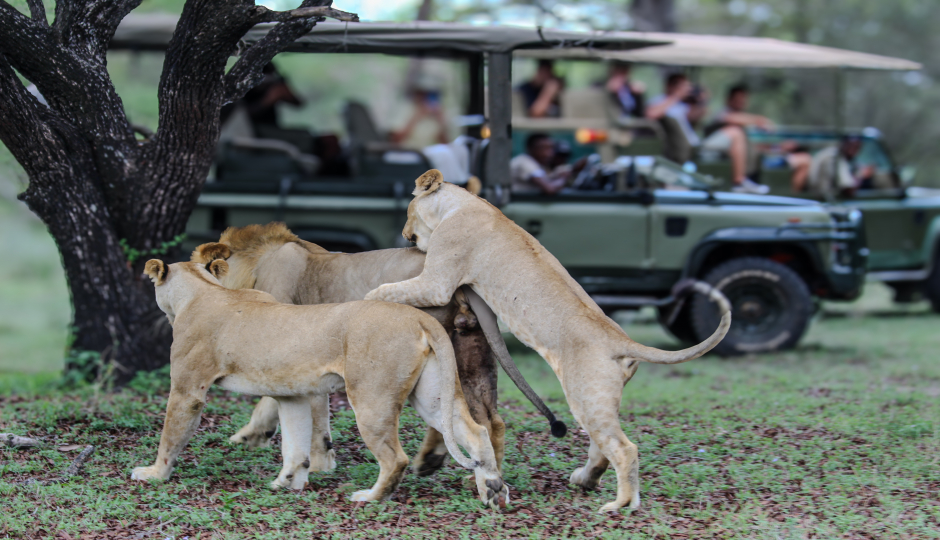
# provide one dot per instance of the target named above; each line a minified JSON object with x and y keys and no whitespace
{"x":737,"y":151}
{"x":800,"y":163}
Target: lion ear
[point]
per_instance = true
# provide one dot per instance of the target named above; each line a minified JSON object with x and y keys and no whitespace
{"x":217,"y":268}
{"x":207,"y":253}
{"x":156,"y":270}
{"x":428,"y":182}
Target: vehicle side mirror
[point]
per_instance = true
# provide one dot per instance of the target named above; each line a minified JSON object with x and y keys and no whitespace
{"x":907,"y":174}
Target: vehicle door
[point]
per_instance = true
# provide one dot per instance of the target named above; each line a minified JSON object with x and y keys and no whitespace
{"x":600,"y":237}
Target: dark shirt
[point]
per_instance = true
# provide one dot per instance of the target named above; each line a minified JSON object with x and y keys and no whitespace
{"x":530,"y":93}
{"x":629,"y":103}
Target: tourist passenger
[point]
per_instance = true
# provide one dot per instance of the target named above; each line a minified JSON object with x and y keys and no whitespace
{"x":685,"y":105}
{"x":424,"y":124}
{"x":538,"y":170}
{"x":727,"y":134}
{"x":541,"y":94}
{"x":628,"y":96}
{"x":832,"y":170}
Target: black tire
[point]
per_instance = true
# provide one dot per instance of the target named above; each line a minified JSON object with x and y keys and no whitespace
{"x":770,"y":306}
{"x":932,"y":286}
{"x":681,"y":327}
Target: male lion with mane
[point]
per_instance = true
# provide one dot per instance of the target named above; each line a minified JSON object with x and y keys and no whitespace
{"x":470,"y":242}
{"x":382,"y":354}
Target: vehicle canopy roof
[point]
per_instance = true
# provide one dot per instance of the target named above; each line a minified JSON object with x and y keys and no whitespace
{"x":416,"y":38}
{"x":697,"y":50}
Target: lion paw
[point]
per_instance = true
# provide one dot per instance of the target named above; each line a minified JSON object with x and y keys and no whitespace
{"x":324,"y":462}
{"x":497,"y":495}
{"x":147,"y":473}
{"x":362,"y":496}
{"x":580,"y":477}
{"x":251,"y":438}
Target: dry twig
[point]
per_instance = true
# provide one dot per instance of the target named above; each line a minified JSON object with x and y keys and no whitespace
{"x":71,"y":471}
{"x":16,"y":441}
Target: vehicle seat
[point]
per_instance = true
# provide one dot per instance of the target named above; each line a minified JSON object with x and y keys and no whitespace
{"x":246,"y":159}
{"x":373,"y":157}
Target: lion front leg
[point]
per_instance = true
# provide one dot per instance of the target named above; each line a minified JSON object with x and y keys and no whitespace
{"x":418,"y":292}
{"x":296,"y":431}
{"x":322,"y":455}
{"x":262,"y":426}
{"x":182,"y":418}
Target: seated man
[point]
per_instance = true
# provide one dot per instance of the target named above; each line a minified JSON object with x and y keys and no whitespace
{"x":425,"y":123}
{"x":832,"y":171}
{"x":537,"y":169}
{"x":628,"y":96}
{"x":684,"y":104}
{"x":727,"y":134}
{"x":542,"y":92}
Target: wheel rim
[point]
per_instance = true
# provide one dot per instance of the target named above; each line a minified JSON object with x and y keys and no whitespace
{"x":758,"y":309}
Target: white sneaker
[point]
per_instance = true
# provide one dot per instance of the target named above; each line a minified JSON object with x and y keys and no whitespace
{"x":749,"y":186}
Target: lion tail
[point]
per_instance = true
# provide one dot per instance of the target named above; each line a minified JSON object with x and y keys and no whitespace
{"x":659,"y":356}
{"x":444,"y":351}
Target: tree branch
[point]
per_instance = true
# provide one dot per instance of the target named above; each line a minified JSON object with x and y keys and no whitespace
{"x":295,"y":23}
{"x":37,"y":11}
{"x":320,"y":12}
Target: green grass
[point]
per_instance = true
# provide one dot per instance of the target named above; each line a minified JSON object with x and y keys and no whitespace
{"x":837,"y":439}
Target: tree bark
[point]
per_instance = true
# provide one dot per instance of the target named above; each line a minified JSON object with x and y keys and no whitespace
{"x":92,"y":183}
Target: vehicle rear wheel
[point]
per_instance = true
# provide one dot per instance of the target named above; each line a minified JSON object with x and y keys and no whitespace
{"x":681,"y":325}
{"x":932,"y":285}
{"x":770,"y":306}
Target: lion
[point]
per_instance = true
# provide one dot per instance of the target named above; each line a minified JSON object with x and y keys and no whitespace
{"x":272,"y":259}
{"x":382,"y":354}
{"x":470,"y":242}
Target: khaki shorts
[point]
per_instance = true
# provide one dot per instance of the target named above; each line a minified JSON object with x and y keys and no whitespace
{"x":718,"y":141}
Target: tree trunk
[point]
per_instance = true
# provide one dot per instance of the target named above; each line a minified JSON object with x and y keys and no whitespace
{"x":96,"y":187}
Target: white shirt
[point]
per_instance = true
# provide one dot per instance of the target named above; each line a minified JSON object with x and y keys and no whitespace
{"x":680,"y":111}
{"x":522,"y":169}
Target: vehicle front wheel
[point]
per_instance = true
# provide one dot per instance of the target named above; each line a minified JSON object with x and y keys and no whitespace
{"x":770,"y":306}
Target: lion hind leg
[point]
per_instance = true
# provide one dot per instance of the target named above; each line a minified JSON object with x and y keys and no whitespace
{"x":432,"y":455}
{"x":261,"y":428}
{"x":295,"y":442}
{"x":380,"y":433}
{"x":467,"y":432}
{"x":598,"y":412}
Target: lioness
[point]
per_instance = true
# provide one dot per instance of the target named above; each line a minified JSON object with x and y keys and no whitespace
{"x":271,"y":258}
{"x":381,"y":353}
{"x":470,"y":242}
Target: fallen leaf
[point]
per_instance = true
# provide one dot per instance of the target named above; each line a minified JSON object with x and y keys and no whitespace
{"x":70,"y":447}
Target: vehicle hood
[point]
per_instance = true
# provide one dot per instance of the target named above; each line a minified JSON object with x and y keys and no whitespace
{"x":726,"y":198}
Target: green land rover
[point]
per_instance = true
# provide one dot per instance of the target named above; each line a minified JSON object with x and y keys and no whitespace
{"x":640,"y":225}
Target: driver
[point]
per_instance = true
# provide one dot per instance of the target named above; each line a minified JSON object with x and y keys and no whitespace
{"x":832,"y":171}
{"x":538,"y":170}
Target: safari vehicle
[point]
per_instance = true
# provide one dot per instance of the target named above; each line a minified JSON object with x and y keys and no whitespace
{"x":638,"y":226}
{"x":902,"y":222}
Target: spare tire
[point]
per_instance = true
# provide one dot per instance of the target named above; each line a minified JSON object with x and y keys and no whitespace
{"x":770,"y":306}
